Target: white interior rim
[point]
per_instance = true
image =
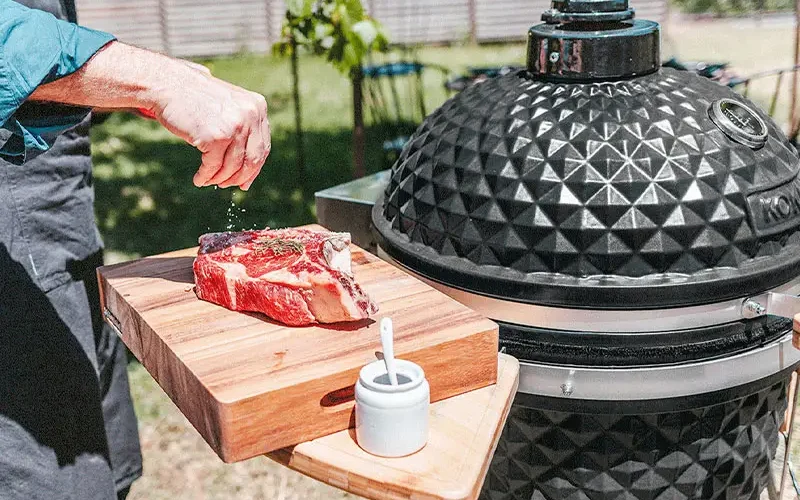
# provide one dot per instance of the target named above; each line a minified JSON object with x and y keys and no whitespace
{"x":658,"y":382}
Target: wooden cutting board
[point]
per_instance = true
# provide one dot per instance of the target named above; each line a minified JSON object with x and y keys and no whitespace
{"x":250,"y":386}
{"x":463,"y":434}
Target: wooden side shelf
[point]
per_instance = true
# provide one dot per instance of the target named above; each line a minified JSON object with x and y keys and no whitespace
{"x":464,"y":431}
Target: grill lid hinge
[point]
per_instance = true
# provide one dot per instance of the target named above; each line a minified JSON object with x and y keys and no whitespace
{"x":771,"y":303}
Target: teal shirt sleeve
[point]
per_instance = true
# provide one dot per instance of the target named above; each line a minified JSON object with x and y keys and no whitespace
{"x":37,"y":48}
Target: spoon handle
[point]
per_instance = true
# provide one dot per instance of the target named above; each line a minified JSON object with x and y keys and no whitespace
{"x":387,"y":344}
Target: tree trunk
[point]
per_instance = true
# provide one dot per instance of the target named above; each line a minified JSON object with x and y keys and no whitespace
{"x":794,"y":119}
{"x":473,"y":21}
{"x":358,"y":124}
{"x":298,"y":120}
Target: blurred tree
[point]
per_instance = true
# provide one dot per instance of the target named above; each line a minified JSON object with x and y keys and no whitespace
{"x":722,"y":7}
{"x":341,"y":31}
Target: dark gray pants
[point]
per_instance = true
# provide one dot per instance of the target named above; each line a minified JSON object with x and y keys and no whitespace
{"x":67,"y":427}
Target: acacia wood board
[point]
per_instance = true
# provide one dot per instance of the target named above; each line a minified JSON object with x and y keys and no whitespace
{"x":463,"y":433}
{"x":250,"y":385}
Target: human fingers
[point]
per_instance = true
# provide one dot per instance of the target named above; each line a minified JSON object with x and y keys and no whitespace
{"x":253,"y":160}
{"x":212,"y":158}
{"x":257,"y":148}
{"x":266,"y":136}
{"x":266,"y":132}
{"x":796,"y":333}
{"x":233,"y":160}
{"x":249,"y":182}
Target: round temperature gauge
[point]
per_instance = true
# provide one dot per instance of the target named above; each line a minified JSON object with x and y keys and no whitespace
{"x":739,"y":122}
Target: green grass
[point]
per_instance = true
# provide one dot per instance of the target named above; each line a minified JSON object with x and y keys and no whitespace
{"x":146,"y":204}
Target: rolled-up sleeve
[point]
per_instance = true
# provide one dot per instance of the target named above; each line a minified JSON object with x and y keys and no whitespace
{"x":37,"y":48}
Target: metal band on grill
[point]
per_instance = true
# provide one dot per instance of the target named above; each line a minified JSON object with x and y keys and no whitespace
{"x":658,"y":382}
{"x":596,"y":320}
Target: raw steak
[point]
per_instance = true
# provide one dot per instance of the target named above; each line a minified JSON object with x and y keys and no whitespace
{"x":295,"y":276}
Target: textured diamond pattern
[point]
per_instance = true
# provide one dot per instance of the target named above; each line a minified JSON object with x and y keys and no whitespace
{"x":719,"y":452}
{"x":629,"y":178}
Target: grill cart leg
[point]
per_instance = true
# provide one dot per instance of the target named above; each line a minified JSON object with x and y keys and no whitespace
{"x":790,"y":395}
{"x":791,"y":413}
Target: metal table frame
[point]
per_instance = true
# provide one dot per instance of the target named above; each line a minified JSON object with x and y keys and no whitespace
{"x":791,"y":413}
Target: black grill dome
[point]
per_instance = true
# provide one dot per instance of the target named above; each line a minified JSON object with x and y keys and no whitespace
{"x":652,"y":190}
{"x":560,"y":199}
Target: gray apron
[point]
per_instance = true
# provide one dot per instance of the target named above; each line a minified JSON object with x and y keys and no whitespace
{"x":67,"y":426}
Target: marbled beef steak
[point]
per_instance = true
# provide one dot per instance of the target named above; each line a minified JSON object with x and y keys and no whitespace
{"x":294,"y":276}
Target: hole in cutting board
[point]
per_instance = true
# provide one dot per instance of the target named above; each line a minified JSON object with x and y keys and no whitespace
{"x":336,"y":400}
{"x":347,"y":326}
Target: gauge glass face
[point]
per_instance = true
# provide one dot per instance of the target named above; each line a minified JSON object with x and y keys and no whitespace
{"x":739,"y":122}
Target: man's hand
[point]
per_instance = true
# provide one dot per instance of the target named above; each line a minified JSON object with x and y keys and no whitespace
{"x":228,"y":124}
{"x":796,"y":332}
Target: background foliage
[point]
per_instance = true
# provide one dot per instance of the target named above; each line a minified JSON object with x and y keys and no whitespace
{"x":340,"y":30}
{"x":732,"y":7}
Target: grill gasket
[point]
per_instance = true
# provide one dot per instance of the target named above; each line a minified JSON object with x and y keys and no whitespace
{"x":643,"y":349}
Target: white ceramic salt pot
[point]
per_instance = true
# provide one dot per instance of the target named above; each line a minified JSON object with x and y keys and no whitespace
{"x":392,"y":421}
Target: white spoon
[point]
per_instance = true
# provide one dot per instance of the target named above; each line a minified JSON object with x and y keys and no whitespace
{"x":387,"y":344}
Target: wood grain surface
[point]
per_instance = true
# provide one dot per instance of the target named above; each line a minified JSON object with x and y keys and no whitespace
{"x":464,"y":432}
{"x":250,"y":385}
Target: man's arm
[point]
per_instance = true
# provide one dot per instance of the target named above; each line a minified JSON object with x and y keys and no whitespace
{"x":226,"y":123}
{"x":46,"y":59}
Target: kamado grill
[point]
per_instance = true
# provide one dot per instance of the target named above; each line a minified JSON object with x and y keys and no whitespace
{"x":631,"y":229}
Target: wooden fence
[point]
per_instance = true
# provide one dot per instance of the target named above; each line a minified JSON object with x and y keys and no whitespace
{"x":199,"y":28}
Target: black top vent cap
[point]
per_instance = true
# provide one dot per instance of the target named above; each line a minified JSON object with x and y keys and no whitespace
{"x":593,"y":40}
